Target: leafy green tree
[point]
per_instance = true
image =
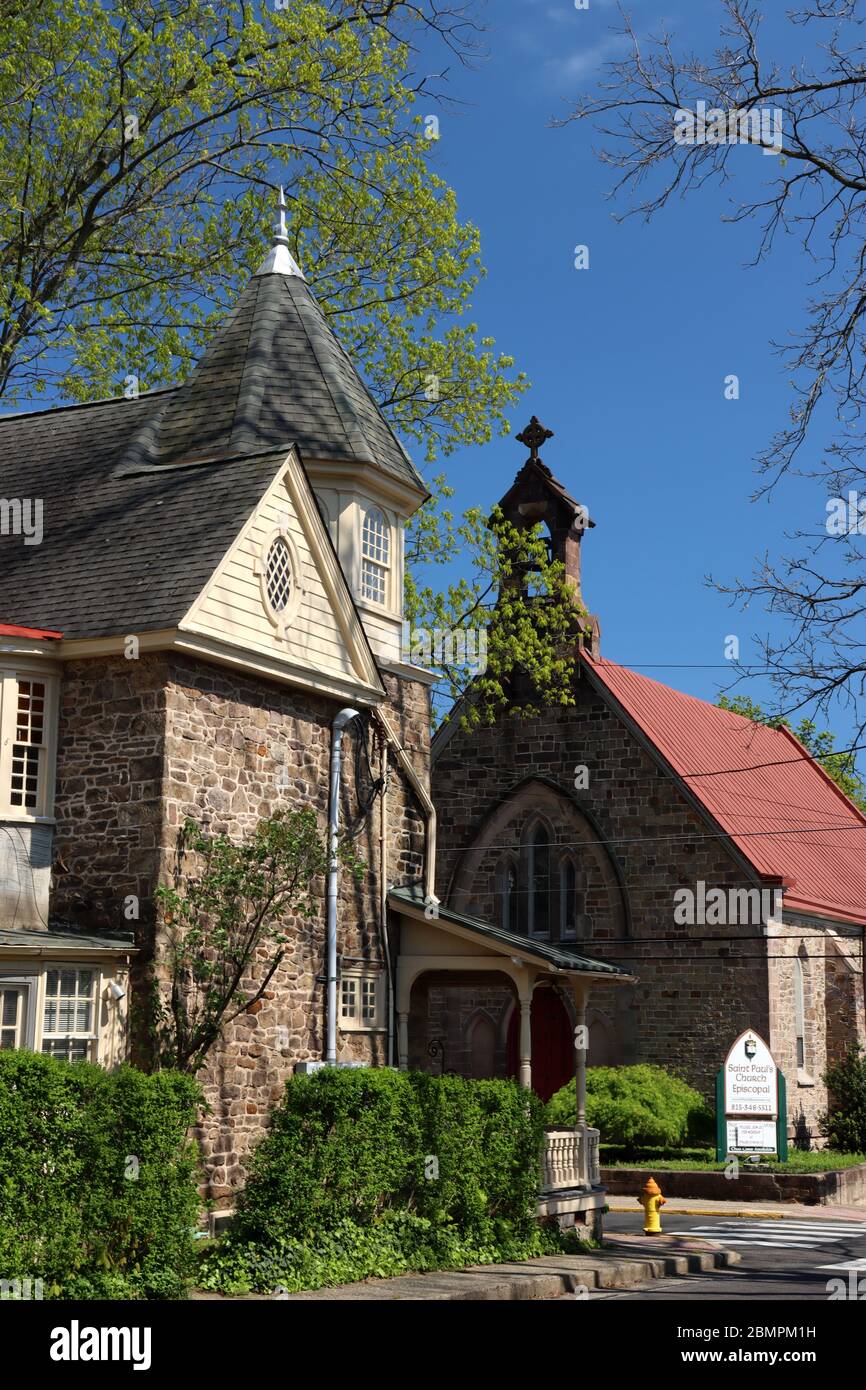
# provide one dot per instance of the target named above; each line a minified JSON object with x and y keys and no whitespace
{"x":502,"y":633}
{"x":845,"y":1119}
{"x":840,"y":766}
{"x":225,"y":912}
{"x":791,"y":83}
{"x":139,"y":148}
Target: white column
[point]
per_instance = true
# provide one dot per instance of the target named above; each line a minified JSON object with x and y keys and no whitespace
{"x":581,"y":993}
{"x":524,"y":980}
{"x":403,"y":1041}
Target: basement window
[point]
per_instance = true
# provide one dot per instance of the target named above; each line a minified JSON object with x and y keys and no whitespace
{"x":362,"y":1001}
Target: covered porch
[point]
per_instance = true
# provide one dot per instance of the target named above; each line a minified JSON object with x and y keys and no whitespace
{"x":536,"y":995}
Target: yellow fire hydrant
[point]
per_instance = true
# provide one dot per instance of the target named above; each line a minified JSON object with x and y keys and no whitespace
{"x":651,"y":1200}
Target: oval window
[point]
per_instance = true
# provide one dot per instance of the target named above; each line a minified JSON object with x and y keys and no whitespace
{"x":278,"y":575}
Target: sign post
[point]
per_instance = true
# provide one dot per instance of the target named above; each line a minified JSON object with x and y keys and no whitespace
{"x":751,"y":1102}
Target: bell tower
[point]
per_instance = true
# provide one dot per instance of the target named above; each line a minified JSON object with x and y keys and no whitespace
{"x":537,"y":496}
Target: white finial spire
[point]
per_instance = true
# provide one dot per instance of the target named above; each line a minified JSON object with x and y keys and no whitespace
{"x":279,"y":260}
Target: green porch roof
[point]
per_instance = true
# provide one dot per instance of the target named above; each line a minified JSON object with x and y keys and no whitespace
{"x":560,"y":957}
{"x":51,"y":940}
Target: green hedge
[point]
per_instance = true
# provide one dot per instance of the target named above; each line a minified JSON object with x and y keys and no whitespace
{"x":98,"y":1180}
{"x":352,"y":1144}
{"x":370,"y":1171}
{"x":637,"y":1107}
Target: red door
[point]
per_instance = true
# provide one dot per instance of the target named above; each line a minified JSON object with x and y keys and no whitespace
{"x":552,"y":1044}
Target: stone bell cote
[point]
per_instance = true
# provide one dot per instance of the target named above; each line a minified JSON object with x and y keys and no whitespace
{"x":537,"y":496}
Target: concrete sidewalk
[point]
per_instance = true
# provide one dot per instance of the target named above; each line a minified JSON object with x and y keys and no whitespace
{"x":626,"y":1262}
{"x":698,"y":1206}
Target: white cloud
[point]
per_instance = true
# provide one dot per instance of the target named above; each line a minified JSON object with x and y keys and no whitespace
{"x":584,"y":61}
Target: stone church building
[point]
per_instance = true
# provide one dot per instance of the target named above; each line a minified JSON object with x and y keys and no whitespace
{"x":708,"y":855}
{"x":207,"y":623}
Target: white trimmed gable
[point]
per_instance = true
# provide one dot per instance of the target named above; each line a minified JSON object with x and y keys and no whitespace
{"x":279,"y":594}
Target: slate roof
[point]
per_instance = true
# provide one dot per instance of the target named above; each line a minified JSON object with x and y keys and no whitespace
{"x":274,"y":374}
{"x":143,"y":497}
{"x":119,"y":554}
{"x":786,"y":816}
{"x":561,"y":957}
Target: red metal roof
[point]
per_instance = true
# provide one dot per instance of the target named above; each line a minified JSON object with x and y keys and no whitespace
{"x":10,"y":630}
{"x":790,"y":820}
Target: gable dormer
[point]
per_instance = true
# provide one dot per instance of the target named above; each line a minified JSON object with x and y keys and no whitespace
{"x":275,"y":376}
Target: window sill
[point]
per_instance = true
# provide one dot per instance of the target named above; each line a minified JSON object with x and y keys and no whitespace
{"x":382,"y":609}
{"x":804,"y":1079}
{"x":18,"y":818}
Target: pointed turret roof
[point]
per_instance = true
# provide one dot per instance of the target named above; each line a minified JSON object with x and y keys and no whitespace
{"x":273,"y":375}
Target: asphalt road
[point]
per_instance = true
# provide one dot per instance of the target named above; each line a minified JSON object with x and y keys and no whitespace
{"x":782,"y":1258}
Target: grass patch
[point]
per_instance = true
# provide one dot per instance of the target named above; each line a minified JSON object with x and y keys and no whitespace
{"x":704,"y":1161}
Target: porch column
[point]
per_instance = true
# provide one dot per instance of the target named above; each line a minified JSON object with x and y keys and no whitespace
{"x":581,"y":993}
{"x":524,"y":981}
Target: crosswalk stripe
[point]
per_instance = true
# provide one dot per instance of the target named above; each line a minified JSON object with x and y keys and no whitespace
{"x":791,"y":1228}
{"x":846,"y":1264}
{"x":770,"y":1244}
{"x":732,"y":1234}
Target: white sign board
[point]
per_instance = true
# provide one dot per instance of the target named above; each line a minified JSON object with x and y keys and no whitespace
{"x":752,"y":1136}
{"x":750,"y":1078}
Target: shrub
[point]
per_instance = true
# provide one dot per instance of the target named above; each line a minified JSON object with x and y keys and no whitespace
{"x":636,"y":1107}
{"x":343,"y":1144}
{"x":356,"y":1144}
{"x":845,"y":1119}
{"x":98,"y":1180}
{"x":485,"y":1137}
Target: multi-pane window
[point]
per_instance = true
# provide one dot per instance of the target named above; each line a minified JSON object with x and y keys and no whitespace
{"x":28,"y":748}
{"x":278,"y":575}
{"x":375,"y":557}
{"x":68,"y":1022}
{"x":349,"y":1000}
{"x":12,"y":999}
{"x":359,"y":1001}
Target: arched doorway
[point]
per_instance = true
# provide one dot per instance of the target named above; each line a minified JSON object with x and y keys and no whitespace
{"x":552,"y":1043}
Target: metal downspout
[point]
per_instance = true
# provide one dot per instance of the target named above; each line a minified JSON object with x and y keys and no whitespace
{"x":343,"y":718}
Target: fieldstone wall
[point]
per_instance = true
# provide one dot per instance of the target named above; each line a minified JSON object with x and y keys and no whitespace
{"x":637,"y":840}
{"x":143,"y":745}
{"x":108,"y":798}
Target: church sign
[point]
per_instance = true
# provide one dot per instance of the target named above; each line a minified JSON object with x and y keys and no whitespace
{"x":751,"y":1109}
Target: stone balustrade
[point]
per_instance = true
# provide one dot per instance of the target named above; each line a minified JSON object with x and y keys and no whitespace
{"x":569,"y":1159}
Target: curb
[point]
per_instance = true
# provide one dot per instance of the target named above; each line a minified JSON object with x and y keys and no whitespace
{"x":550,"y":1277}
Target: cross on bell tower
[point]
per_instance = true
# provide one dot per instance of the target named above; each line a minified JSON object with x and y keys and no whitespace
{"x":533,"y":436}
{"x":537,"y":496}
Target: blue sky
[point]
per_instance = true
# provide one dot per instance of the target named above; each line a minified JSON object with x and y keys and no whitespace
{"x":628,"y":358}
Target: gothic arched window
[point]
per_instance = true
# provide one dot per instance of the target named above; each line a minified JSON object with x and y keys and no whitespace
{"x":567,"y":900}
{"x":509,"y":899}
{"x":800,"y":1009}
{"x":539,"y":882}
